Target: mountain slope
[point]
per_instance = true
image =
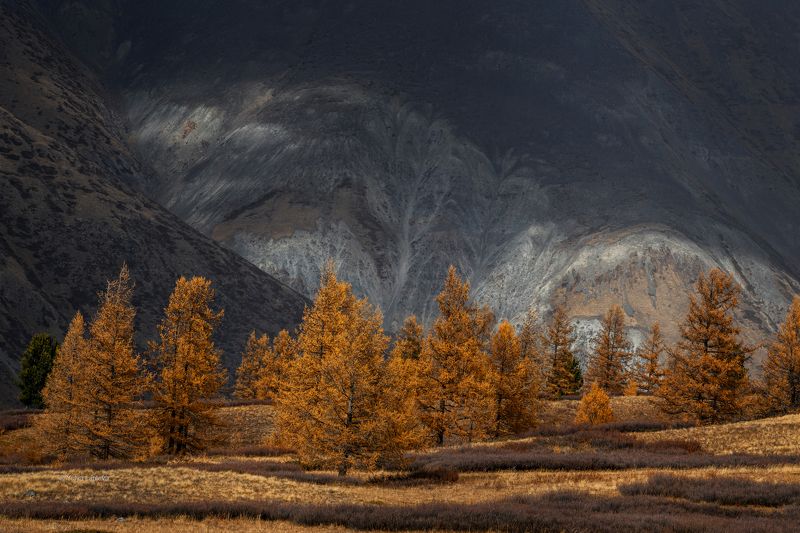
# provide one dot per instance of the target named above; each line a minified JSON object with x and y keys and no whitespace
{"x":580,"y":152}
{"x":67,"y":222}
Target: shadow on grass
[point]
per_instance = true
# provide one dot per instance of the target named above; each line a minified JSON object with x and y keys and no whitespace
{"x":560,"y":511}
{"x":723,"y":490}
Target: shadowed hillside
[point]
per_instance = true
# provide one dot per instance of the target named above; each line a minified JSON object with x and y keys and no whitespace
{"x":68,"y":219}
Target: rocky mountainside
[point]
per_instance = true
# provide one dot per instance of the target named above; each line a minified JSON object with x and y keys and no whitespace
{"x":69,"y":217}
{"x":580,"y":152}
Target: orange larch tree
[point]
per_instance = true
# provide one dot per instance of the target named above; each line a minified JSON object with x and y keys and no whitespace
{"x":649,"y":370}
{"x":63,"y":419}
{"x":187,"y":364}
{"x":114,"y":379}
{"x":454,"y":390}
{"x":706,"y":377}
{"x":333,"y":404}
{"x":608,"y":364}
{"x":410,"y":339}
{"x":782,"y":364}
{"x":515,"y":383}
{"x":595,"y":407}
{"x":256,"y":359}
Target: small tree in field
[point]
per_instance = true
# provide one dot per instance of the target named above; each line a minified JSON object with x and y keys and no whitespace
{"x":334,"y":404}
{"x":515,"y":382}
{"x":595,"y":407}
{"x":188,"y":367}
{"x":257,"y":360}
{"x":63,"y":420}
{"x":608,"y":363}
{"x":707,"y":378}
{"x":631,"y":389}
{"x":782,"y":365}
{"x":35,"y":365}
{"x":649,"y":371}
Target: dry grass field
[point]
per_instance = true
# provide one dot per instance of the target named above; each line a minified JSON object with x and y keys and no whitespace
{"x":642,"y":473}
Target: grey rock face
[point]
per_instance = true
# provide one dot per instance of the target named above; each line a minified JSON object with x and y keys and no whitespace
{"x":587,"y":153}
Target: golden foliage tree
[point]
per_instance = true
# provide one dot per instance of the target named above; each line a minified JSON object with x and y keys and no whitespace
{"x":706,"y":377}
{"x":564,"y":376}
{"x":62,"y":421}
{"x":515,"y":383}
{"x":649,"y":371}
{"x":782,"y":364}
{"x":454,"y":389}
{"x":612,"y":350}
{"x":595,"y":407}
{"x":410,"y":340}
{"x":114,"y":379}
{"x":334,"y":404}
{"x":188,"y":366}
{"x":257,"y":375}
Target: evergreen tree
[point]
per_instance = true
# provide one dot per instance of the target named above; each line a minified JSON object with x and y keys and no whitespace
{"x":35,"y":365}
{"x":564,"y":376}
{"x":707,"y":378}
{"x":648,"y":369}
{"x":60,"y":426}
{"x":189,"y":369}
{"x":454,"y":389}
{"x":515,"y":383}
{"x":114,"y":380}
{"x":782,"y":365}
{"x":595,"y":407}
{"x":612,"y":350}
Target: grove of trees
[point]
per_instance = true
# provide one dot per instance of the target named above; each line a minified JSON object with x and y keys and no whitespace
{"x":346,"y":395}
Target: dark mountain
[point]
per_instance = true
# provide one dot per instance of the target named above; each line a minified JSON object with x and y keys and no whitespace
{"x":580,"y":152}
{"x":69,"y":217}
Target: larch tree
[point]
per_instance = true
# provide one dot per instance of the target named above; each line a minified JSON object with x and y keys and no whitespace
{"x":188,"y":368}
{"x":649,"y":370}
{"x":706,"y":377}
{"x":332,"y":405}
{"x":515,"y":383}
{"x":410,"y":340}
{"x":256,"y":359}
{"x":595,"y":407}
{"x":63,"y":421}
{"x":782,"y":365}
{"x":114,"y":378}
{"x":531,"y":340}
{"x":608,"y":363}
{"x":454,"y":390}
{"x":564,"y":375}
